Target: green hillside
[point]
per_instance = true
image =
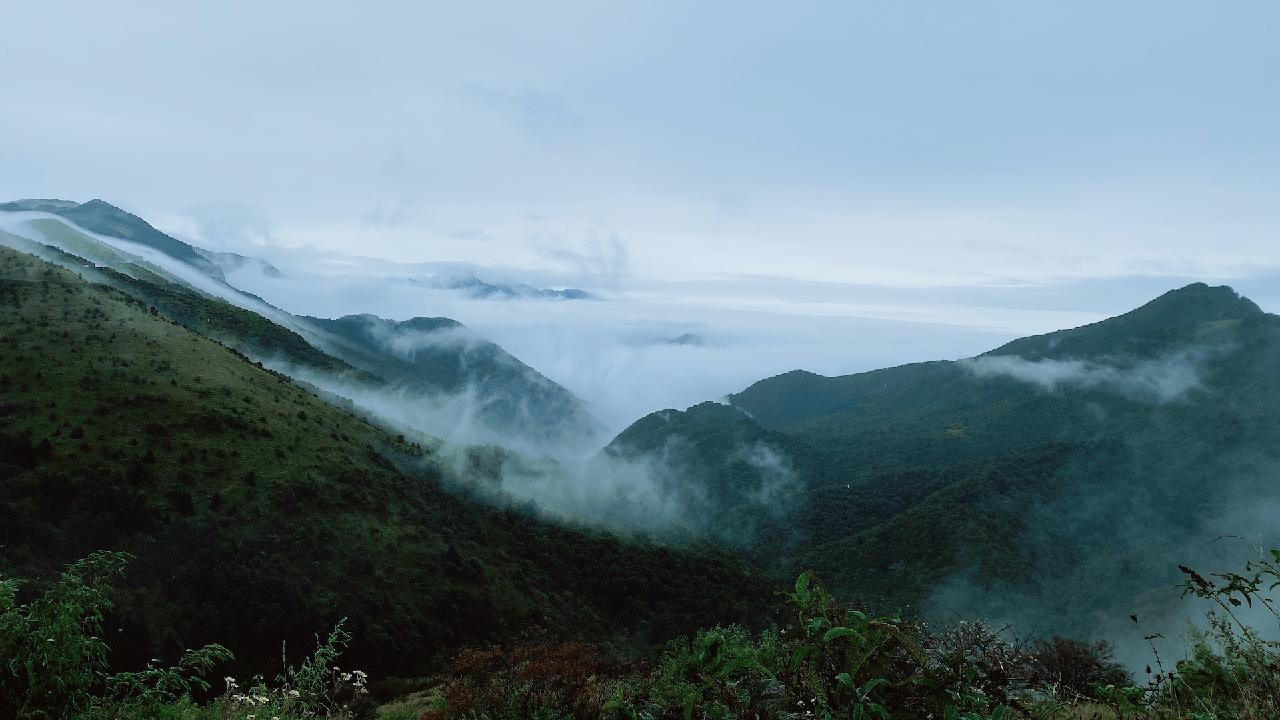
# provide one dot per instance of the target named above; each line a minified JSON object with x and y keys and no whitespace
{"x":259,"y":513}
{"x":1067,"y":473}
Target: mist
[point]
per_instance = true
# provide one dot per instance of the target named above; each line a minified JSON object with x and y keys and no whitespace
{"x":1160,"y":380}
{"x":616,"y":351}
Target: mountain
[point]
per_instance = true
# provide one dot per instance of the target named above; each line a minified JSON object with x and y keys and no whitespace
{"x":1056,"y":481}
{"x":685,"y":339}
{"x":478,"y":289}
{"x":260,"y":513}
{"x":439,"y":357}
{"x":229,"y":262}
{"x":106,"y":219}
{"x":466,"y":386}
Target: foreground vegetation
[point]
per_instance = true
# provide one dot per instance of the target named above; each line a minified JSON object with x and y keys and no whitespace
{"x":823,"y":660}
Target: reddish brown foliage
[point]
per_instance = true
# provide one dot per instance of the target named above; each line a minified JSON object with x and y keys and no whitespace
{"x":571,"y":677}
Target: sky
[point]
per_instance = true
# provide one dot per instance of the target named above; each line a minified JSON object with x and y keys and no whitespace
{"x":969,"y":171}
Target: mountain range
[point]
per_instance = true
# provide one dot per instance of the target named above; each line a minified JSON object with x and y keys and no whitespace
{"x":274,"y":472}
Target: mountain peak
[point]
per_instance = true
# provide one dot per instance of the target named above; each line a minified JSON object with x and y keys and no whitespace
{"x":1189,"y":314}
{"x":1201,"y":301}
{"x":429,"y":324}
{"x":100,"y":204}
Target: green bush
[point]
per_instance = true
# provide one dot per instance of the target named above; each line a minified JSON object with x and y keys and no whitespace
{"x":51,"y":648}
{"x":825,"y":660}
{"x":53,"y":660}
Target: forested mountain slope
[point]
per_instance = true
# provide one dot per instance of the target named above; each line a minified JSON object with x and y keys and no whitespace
{"x":1069,"y":472}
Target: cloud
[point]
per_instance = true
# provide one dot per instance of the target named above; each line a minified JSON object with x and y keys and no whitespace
{"x":390,"y":213}
{"x":542,"y":117}
{"x":228,"y":226}
{"x":471,"y":234}
{"x":615,"y":351}
{"x":1162,"y":380}
{"x":604,"y":255}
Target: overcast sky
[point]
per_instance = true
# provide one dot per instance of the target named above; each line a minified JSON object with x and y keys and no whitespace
{"x":898,"y":143}
{"x":998,"y":167}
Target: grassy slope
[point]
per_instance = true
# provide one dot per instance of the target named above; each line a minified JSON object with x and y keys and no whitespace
{"x":259,"y":513}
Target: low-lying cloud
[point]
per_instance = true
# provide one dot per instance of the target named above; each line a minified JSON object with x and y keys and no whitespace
{"x":616,"y":351}
{"x":1161,"y":380}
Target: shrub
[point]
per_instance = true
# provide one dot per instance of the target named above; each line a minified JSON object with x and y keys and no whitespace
{"x":1075,"y":669}
{"x":53,"y":661}
{"x":550,"y":680}
{"x":1230,"y":671}
{"x":51,"y":649}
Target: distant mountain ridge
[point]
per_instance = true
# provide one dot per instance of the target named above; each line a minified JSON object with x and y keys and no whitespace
{"x":106,"y":219}
{"x":504,"y":397}
{"x":478,"y":289}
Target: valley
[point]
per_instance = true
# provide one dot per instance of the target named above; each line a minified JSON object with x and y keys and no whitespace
{"x":268,"y":475}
